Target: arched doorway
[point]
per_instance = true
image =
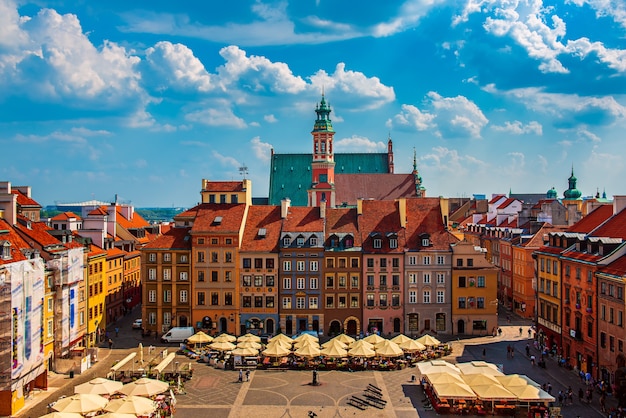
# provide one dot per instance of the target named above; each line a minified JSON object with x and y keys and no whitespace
{"x":269,"y":326}
{"x":223,"y":325}
{"x":335,"y":328}
{"x":351,"y":328}
{"x":207,"y":323}
{"x":183,"y":321}
{"x":460,"y":327}
{"x":396,"y":324}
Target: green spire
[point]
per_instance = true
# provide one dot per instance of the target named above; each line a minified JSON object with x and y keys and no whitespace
{"x":323,"y":122}
{"x":572,"y":192}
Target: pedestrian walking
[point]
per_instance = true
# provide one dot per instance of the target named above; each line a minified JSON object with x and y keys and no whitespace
{"x":530,"y":333}
{"x":560,"y":398}
{"x":550,"y":388}
{"x":532,"y":360}
{"x":484,"y":353}
{"x":603,"y":402}
{"x":527,"y":350}
{"x":117,"y":331}
{"x":570,"y":395}
{"x":247,"y":375}
{"x":589,"y":395}
{"x":581,"y":395}
{"x":110,"y":343}
{"x":240,"y":376}
{"x":520,"y":331}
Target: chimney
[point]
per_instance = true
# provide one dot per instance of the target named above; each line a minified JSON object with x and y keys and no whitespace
{"x":619,"y":203}
{"x":8,"y":203}
{"x":359,"y":206}
{"x":402,"y":212}
{"x":323,"y":209}
{"x":284,"y":207}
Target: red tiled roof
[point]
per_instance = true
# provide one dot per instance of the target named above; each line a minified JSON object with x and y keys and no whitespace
{"x":262,"y":217}
{"x":98,"y":211}
{"x":115,"y":252}
{"x":507,"y":203}
{"x":65,"y":216}
{"x":94,"y":250}
{"x":343,"y":220}
{"x":379,"y":186}
{"x":581,"y":256}
{"x":615,"y":227}
{"x":592,"y":220}
{"x":303,"y":219}
{"x":231,"y":214}
{"x":16,"y":241}
{"x":136,"y":222}
{"x":173,"y":239}
{"x":537,"y":239}
{"x":37,"y":232}
{"x":496,"y":198}
{"x":616,"y":268}
{"x":24,"y":200}
{"x":380,"y":216}
{"x":424,"y":216}
{"x":224,"y":186}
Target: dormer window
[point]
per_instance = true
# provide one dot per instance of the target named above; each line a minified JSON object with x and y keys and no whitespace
{"x":393,"y":242}
{"x":300,"y":241}
{"x":313,"y":241}
{"x":349,"y":241}
{"x":425,"y":242}
{"x":286,"y":241}
{"x":378,"y":243}
{"x":5,"y":250}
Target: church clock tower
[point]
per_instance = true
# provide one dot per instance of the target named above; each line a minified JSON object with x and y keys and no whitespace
{"x":322,"y":189}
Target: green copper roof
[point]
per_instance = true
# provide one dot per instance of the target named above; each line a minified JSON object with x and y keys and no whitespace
{"x":290,"y":174}
{"x":572,"y":192}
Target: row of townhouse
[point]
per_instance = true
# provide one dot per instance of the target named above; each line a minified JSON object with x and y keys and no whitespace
{"x":382,"y":266}
{"x":568,"y":277}
{"x":61,"y":283}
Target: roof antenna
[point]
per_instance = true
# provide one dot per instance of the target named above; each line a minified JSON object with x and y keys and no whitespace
{"x":243,"y":170}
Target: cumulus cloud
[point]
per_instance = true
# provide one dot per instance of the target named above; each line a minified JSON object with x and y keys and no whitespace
{"x":225,"y":160}
{"x":178,"y":67}
{"x":357,"y":143}
{"x":262,"y":150}
{"x":518,"y":128}
{"x":216,"y":114}
{"x":411,"y":116}
{"x":270,"y":119}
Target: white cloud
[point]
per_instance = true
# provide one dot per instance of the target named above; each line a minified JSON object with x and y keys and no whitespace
{"x":586,"y":135}
{"x":411,"y":116}
{"x":457,"y":116}
{"x":270,"y":119}
{"x":226,"y":161}
{"x":407,"y":17}
{"x":603,"y":8}
{"x":178,"y":67}
{"x":359,"y":144}
{"x":518,"y":128}
{"x":262,"y":150}
{"x":141,"y":163}
{"x":216,"y":114}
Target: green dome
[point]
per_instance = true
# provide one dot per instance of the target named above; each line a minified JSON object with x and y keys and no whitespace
{"x":572,"y":192}
{"x":552,"y":194}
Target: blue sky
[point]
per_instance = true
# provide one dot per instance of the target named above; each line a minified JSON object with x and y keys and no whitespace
{"x":143,"y":99}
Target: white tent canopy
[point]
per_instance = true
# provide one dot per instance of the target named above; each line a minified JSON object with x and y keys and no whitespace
{"x":163,"y":364}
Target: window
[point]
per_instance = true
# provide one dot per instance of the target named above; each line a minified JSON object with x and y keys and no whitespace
{"x":287,"y":283}
{"x":151,"y":274}
{"x":441,"y":260}
{"x":313,"y":241}
{"x":183,"y":258}
{"x":214,"y":257}
{"x":313,"y":302}
{"x":299,"y":242}
{"x":440,"y":296}
{"x":370,"y":300}
{"x":354,"y":282}
{"x":269,"y":301}
{"x":383,"y":280}
{"x":258,"y":301}
{"x":201,"y":298}
{"x":480,"y":302}
{"x":480,"y":281}
{"x":378,"y":243}
{"x":182,"y":296}
{"x":354,"y":301}
{"x":167,"y":296}
{"x":247,"y":263}
{"x":382,"y":299}
{"x":342,"y":301}
{"x":370,"y":263}
{"x":395,"y":280}
{"x":269,"y":263}
{"x":183,"y":275}
{"x":286,"y":241}
{"x":152,"y":257}
{"x":426,"y":260}
{"x":395,"y":262}
{"x":215,"y":298}
{"x":330,"y":301}
{"x":412,"y":260}
{"x":426,"y":296}
{"x":167,"y":257}
{"x":313,"y":283}
{"x":342,"y":281}
{"x":426,"y":278}
{"x":214,"y":275}
{"x":370,"y":280}
{"x":167,"y":318}
{"x":393,"y":243}
{"x":425,"y":242}
{"x":287,"y":265}
{"x":50,"y":304}
{"x":412,"y":296}
{"x":462,"y":282}
{"x":330,"y":281}
{"x":152,"y":318}
{"x":167,"y":274}
{"x":258,"y":280}
{"x":470,"y":262}
{"x":354,"y":263}
{"x":441,"y":278}
{"x":461,"y":303}
{"x":228,"y":276}
{"x":383,"y":263}
{"x":395,"y":299}
{"x":200,"y":256}
{"x":200,"y":276}
{"x":412,"y":278}
{"x":287,"y":303}
{"x":300,"y":265}
{"x":247,"y":301}
{"x":50,"y":328}
{"x":342,"y":263}
{"x":314,"y":265}
{"x":300,"y":283}
{"x":459,"y":262}
{"x":247,"y":281}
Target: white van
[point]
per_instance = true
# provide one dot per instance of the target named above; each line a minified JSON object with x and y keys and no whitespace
{"x":177,"y":335}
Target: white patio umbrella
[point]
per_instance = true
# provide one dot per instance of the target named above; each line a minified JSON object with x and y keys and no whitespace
{"x":308,"y":351}
{"x":222,"y":345}
{"x":99,"y":386}
{"x":361,"y":350}
{"x":388,"y":348}
{"x":428,"y":340}
{"x":444,"y":378}
{"x":344,"y":339}
{"x":281,"y":337}
{"x":401,"y":338}
{"x":200,"y":338}
{"x":276,"y":350}
{"x":81,"y":403}
{"x":334,"y":350}
{"x":249,"y":344}
{"x":249,"y":337}
{"x":62,"y":415}
{"x":334,"y":342}
{"x":373,"y":339}
{"x":305,"y":337}
{"x":144,"y":387}
{"x":132,"y":405}
{"x":412,"y":346}
{"x":437,"y":366}
{"x":453,"y":391}
{"x":225,"y":337}
{"x":245,"y":351}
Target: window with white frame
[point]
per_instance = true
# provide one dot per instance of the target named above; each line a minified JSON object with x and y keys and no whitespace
{"x":183,"y":296}
{"x":152,"y":318}
{"x":313,"y":241}
{"x":300,"y":241}
{"x":426,"y":296}
{"x":287,"y":265}
{"x":314,"y":265}
{"x":50,"y":328}
{"x":480,"y":281}
{"x":426,"y":277}
{"x":300,"y":283}
{"x":425,"y":242}
{"x":167,"y":274}
{"x":313,"y":302}
{"x":287,"y":283}
{"x":412,"y":296}
{"x":441,"y":260}
{"x":183,"y":275}
{"x":441,"y":278}
{"x":167,"y":257}
{"x":167,"y":318}
{"x":441,"y":296}
{"x":393,"y":242}
{"x":313,"y":282}
{"x":82,"y":318}
{"x":412,"y":260}
{"x":151,"y":274}
{"x":426,"y":260}
{"x":412,"y":278}
{"x":152,"y":296}
{"x":300,"y":265}
{"x":300,"y":302}
{"x":183,"y":258}
{"x":152,"y":257}
{"x":167,"y":296}
{"x":378,"y":243}
{"x":286,"y":241}
{"x":287,"y":302}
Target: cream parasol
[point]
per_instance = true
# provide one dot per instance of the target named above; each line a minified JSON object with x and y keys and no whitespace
{"x":249,"y":337}
{"x":388,"y":348}
{"x":245,"y":351}
{"x":249,"y":344}
{"x":225,"y":337}
{"x":276,"y":350}
{"x":401,"y":338}
{"x":480,"y":379}
{"x":308,"y":351}
{"x":444,"y":378}
{"x":479,"y":367}
{"x":62,"y":415}
{"x":412,"y":346}
{"x":511,"y":380}
{"x":344,"y":339}
{"x":222,"y":345}
{"x":373,"y":339}
{"x":281,"y":337}
{"x":117,"y":415}
{"x":334,"y":342}
{"x":303,"y":342}
{"x":144,"y":387}
{"x":200,"y":337}
{"x":282,"y":343}
{"x":81,"y":403}
{"x":530,"y":393}
{"x":305,"y":337}
{"x":132,"y":405}
{"x":453,"y":391}
{"x":493,"y":393}
{"x":334,"y":350}
{"x":361,"y":350}
{"x":437,"y":366}
{"x":428,"y":340}
{"x":99,"y":386}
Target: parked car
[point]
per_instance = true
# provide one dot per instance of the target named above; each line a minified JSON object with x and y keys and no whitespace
{"x":137,"y":324}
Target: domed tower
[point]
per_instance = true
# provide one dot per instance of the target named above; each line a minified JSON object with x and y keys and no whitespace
{"x":552,"y":193}
{"x":572,"y":193}
{"x":323,"y":164}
